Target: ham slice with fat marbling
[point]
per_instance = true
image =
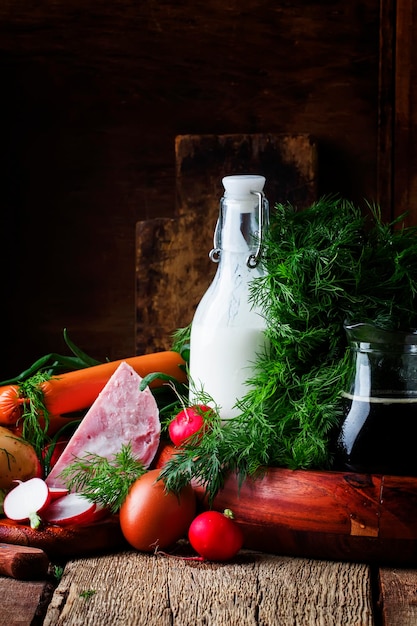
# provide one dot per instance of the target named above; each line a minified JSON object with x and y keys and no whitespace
{"x":121,"y":414}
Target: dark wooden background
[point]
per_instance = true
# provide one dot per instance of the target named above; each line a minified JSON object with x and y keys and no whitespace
{"x":93,"y":95}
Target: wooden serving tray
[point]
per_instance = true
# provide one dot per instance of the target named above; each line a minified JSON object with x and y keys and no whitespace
{"x":325,"y":515}
{"x":66,"y":542}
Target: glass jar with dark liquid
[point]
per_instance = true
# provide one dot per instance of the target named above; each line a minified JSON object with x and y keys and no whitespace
{"x":379,"y":432}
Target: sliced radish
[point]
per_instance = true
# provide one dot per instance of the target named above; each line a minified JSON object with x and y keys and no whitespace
{"x":57,"y":492}
{"x":26,"y":501}
{"x":99,"y":513}
{"x":70,"y":509}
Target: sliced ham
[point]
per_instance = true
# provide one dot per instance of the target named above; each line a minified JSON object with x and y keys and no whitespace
{"x":121,"y":414}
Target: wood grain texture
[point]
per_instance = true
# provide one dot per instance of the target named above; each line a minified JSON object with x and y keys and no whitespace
{"x":405,"y":121}
{"x":23,"y":602}
{"x":61,"y":542}
{"x":386,"y":108}
{"x":324,"y":515}
{"x":254,"y":589}
{"x":93,"y":98}
{"x":23,"y":562}
{"x":398,"y":589}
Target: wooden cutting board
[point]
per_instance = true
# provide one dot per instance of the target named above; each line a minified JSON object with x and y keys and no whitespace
{"x":325,"y":515}
{"x":66,"y":542}
{"x":172,"y":254}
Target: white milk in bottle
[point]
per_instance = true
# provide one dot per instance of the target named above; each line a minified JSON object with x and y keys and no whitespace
{"x":227,"y":331}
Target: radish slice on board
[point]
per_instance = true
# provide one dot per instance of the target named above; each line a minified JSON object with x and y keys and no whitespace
{"x":57,"y":492}
{"x":70,"y":509}
{"x":99,"y":513}
{"x":26,"y":501}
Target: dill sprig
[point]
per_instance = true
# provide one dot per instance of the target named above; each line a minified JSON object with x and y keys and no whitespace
{"x":330,"y":264}
{"x":101,"y":480}
{"x":35,"y":416}
{"x":327,"y":265}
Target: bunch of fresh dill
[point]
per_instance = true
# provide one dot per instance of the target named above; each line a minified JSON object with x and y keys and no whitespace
{"x":331,"y":264}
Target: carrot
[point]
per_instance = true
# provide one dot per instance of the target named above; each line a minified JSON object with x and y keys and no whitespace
{"x":77,"y":390}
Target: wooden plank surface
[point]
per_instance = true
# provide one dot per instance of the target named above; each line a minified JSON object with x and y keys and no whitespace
{"x":23,"y":603}
{"x":405,"y":121}
{"x":322,"y":515}
{"x":62,"y":542}
{"x":94,"y":94}
{"x":398,"y":596}
{"x":134,"y":588}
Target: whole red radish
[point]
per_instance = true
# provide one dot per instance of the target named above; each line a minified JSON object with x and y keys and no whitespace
{"x":26,"y":501}
{"x":215,"y":536}
{"x":187,"y":423}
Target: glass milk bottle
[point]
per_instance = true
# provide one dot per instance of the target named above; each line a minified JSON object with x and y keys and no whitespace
{"x":227,"y":332}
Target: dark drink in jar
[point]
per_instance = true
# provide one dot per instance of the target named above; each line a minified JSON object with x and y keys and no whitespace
{"x":378,"y":432}
{"x":378,"y":436}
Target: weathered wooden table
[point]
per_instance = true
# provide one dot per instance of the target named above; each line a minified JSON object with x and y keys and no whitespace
{"x":131,"y":588}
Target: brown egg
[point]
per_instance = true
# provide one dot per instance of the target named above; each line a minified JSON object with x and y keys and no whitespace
{"x":151,"y":517}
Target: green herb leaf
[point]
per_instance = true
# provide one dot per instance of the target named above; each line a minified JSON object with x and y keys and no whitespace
{"x":83,"y":358}
{"x":329,"y":264}
{"x":35,"y":416}
{"x":54,"y":363}
{"x":103,"y":481}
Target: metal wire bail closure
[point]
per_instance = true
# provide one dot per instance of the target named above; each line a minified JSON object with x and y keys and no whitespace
{"x":253,"y":259}
{"x":214,"y":254}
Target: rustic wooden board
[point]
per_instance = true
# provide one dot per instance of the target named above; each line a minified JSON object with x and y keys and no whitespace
{"x":95,"y":97}
{"x":253,"y":589}
{"x":398,"y":596}
{"x":23,"y":602}
{"x":173,"y":269}
{"x":323,"y":515}
{"x":330,"y":515}
{"x":66,"y":542}
{"x":404,"y":157}
{"x":23,"y":562}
